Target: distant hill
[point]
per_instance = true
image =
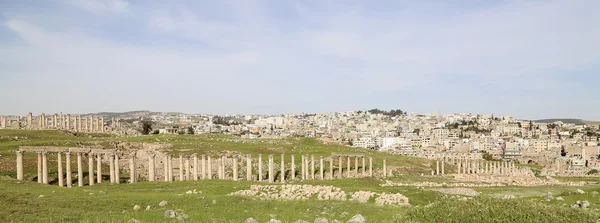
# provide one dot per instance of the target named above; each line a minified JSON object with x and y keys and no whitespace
{"x":564,"y":120}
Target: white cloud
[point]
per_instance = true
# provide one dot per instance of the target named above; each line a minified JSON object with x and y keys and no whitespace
{"x":102,"y":6}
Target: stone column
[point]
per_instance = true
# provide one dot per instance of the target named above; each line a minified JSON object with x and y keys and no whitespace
{"x":111,"y":169}
{"x":62,"y":121}
{"x":166,"y":168}
{"x":235,"y":167}
{"x":69,"y":172}
{"x":271,"y":177}
{"x":151,"y":168}
{"x":195,"y":161}
{"x":363,"y":166}
{"x":487,"y":167}
{"x":90,"y":169}
{"x":260,"y":176}
{"x":117,"y":169}
{"x":99,"y":168}
{"x":443,"y":172}
{"x":437,"y":167}
{"x":132,"y":178}
{"x":61,"y":182}
{"x":79,"y":124}
{"x":384,"y":168}
{"x":79,"y":171}
{"x":220,"y":170}
{"x":302,"y":169}
{"x":20,"y":165}
{"x":29,"y":121}
{"x":355,"y":166}
{"x":370,"y":166}
{"x":459,"y":167}
{"x":69,"y":122}
{"x":331,"y":168}
{"x":282,"y":175}
{"x":312,"y":167}
{"x":102,"y":124}
{"x":39,"y":167}
{"x":204,"y":172}
{"x":321,"y":168}
{"x":45,"y":167}
{"x":348,"y":166}
{"x":209,"y":168}
{"x":293,"y":168}
{"x":340,"y":167}
{"x":187,"y":168}
{"x":180,"y":167}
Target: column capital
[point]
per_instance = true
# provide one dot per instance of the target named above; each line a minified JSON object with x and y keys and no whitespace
{"x":19,"y":152}
{"x":68,"y":153}
{"x":194,"y":155}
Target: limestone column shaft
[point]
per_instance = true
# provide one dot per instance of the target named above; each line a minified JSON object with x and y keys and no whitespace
{"x":204,"y":172}
{"x":364,"y":166}
{"x":437,"y":167}
{"x":111,"y":166}
{"x":302,"y":171}
{"x":45,"y":168}
{"x":282,"y":175}
{"x":248,"y":167}
{"x":79,"y":171}
{"x":260,"y":172}
{"x":117,"y":168}
{"x":170,"y":169}
{"x":180,"y":167}
{"x":331,"y":168}
{"x":312,"y":167}
{"x":321,"y":168}
{"x":234,"y":160}
{"x":271,"y":177}
{"x":132,"y":174}
{"x":195,"y":162}
{"x":384,"y":168}
{"x":151,"y":168}
{"x":443,"y":171}
{"x":39,"y":168}
{"x":91,"y":169}
{"x":99,"y":168}
{"x":370,"y":166}
{"x":20,"y":174}
{"x":348,"y":166}
{"x":209,"y":167}
{"x":219,"y":168}
{"x":187,"y":168}
{"x":61,"y":182}
{"x":340,"y":167}
{"x":166,"y":168}
{"x":69,"y":172}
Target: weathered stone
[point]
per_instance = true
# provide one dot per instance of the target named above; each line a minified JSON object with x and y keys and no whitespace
{"x":357,"y":219}
{"x":148,"y":208}
{"x":585,"y":204}
{"x":162,"y":203}
{"x":214,"y":201}
{"x":560,"y":198}
{"x":136,"y":207}
{"x":182,"y":217}
{"x":170,"y":214}
{"x":594,"y":193}
{"x":250,"y":220}
{"x":321,"y":220}
{"x":274,"y":221}
{"x":133,"y":220}
{"x":579,"y":191}
{"x":301,"y":221}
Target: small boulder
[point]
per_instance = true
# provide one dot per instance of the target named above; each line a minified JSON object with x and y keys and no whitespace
{"x":189,"y":192}
{"x":133,"y":220}
{"x":41,"y":196}
{"x":214,"y":202}
{"x":250,"y":220}
{"x":274,"y":221}
{"x":560,"y":199}
{"x":579,"y":191}
{"x":162,"y":203}
{"x":301,"y":221}
{"x":170,"y":214}
{"x":585,"y":204}
{"x":136,"y":207}
{"x":321,"y":220}
{"x":357,"y":219}
{"x":182,"y":217}
{"x":594,"y":193}
{"x":148,"y":208}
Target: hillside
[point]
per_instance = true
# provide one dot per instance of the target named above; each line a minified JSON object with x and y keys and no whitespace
{"x":564,"y":120}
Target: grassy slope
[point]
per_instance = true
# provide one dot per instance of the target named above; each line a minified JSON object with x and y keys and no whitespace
{"x":20,"y":200}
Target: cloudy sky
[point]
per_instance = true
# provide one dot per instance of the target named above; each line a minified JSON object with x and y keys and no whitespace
{"x":529,"y":59}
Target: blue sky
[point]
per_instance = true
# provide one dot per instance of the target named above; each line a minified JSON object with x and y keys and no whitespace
{"x":529,"y":59}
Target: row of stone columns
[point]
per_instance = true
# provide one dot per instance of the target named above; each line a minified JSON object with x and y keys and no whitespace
{"x":42,"y":170}
{"x":61,"y":121}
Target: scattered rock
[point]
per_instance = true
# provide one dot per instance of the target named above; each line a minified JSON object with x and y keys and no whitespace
{"x":182,"y":217}
{"x":560,"y":199}
{"x":148,"y":208}
{"x":357,"y":219}
{"x":585,"y":204}
{"x":321,"y":220}
{"x":594,"y":193}
{"x":274,"y":221}
{"x":41,"y":196}
{"x":250,"y":220}
{"x":214,"y":202}
{"x":170,"y":214}
{"x":133,"y":220}
{"x":344,"y":214}
{"x":136,"y":207}
{"x":579,"y":191}
{"x":509,"y":196}
{"x":189,"y":192}
{"x":301,"y":221}
{"x":162,"y":203}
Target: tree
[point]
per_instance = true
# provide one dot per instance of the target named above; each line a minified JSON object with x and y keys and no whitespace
{"x":146,"y":127}
{"x":190,"y":130}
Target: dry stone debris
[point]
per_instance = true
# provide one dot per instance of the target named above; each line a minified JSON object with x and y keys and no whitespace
{"x":162,"y":203}
{"x":170,"y":214}
{"x":301,"y":221}
{"x":250,"y":220}
{"x":136,"y":207}
{"x":391,"y":199}
{"x":459,"y":191}
{"x":148,"y":208}
{"x":321,"y":220}
{"x":579,"y":191}
{"x":274,"y":221}
{"x":358,"y":218}
{"x":133,"y":220}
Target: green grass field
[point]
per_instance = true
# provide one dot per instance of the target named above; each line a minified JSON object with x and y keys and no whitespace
{"x":21,"y":200}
